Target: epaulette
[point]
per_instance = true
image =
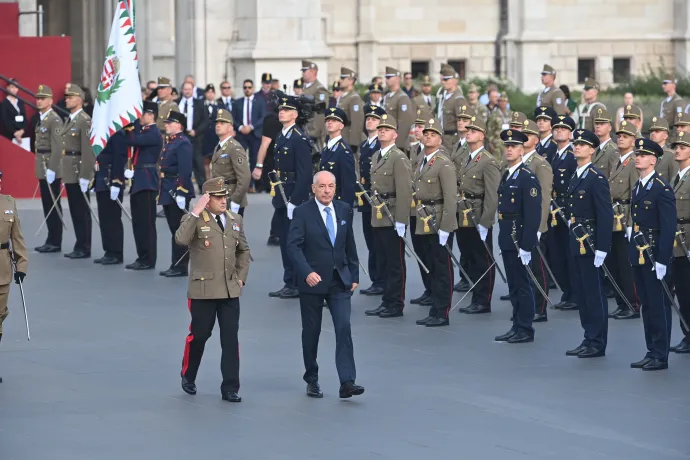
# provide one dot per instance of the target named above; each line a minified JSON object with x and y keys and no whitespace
{"x":662,"y":182}
{"x":84,"y":115}
{"x":553,"y":142}
{"x":229,"y":214}
{"x":205,"y":216}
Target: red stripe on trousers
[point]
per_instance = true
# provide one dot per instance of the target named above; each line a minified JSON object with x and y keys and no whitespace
{"x":637,"y":299}
{"x":188,"y":341}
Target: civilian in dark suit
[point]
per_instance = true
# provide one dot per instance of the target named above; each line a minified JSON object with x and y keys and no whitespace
{"x":225,"y":99}
{"x":249,"y":113}
{"x":321,"y":244}
{"x":12,"y":115}
{"x":196,"y":116}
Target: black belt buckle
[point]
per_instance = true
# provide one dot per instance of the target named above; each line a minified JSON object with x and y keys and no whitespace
{"x":5,"y":245}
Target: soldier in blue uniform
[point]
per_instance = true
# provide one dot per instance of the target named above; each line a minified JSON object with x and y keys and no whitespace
{"x":519,"y":215}
{"x":546,"y":117}
{"x":146,"y":141}
{"x":292,"y":157}
{"x":176,"y":189}
{"x":337,"y":157}
{"x":589,"y":212}
{"x":654,"y":216}
{"x":372,"y":117}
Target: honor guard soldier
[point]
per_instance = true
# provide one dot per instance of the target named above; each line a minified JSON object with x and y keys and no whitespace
{"x":298,"y":87}
{"x":607,"y":148}
{"x":651,"y":253}
{"x":672,"y":104}
{"x":666,"y":167}
{"x":449,"y":105}
{"x":682,"y":122}
{"x":337,"y":157}
{"x":519,"y":215}
{"x":499,"y":120}
{"x":176,"y":188}
{"x":591,"y":222}
{"x":292,"y":153}
{"x":375,"y":93}
{"x":391,"y":193}
{"x":316,"y":128}
{"x":146,"y":142}
{"x":621,"y":183}
{"x":436,"y":196}
{"x":219,"y":266}
{"x":681,"y":244}
{"x":633,"y":115}
{"x":399,"y":106}
{"x":478,"y":176}
{"x":372,"y":117}
{"x":77,"y":166}
{"x":425,"y":100}
{"x":48,"y":157}
{"x":352,"y":105}
{"x":230,"y":162}
{"x":166,"y":102}
{"x":551,"y":95}
{"x":587,"y":112}
{"x":481,"y":110}
{"x":546,"y":117}
{"x":517,"y":121}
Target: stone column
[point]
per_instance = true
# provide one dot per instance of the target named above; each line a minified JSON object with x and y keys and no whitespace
{"x":367,"y":49}
{"x":681,"y":36}
{"x":184,"y":40}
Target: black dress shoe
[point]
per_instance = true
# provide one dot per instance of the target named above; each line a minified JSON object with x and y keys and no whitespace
{"x":290,"y":293}
{"x":373,"y":290}
{"x":230,"y":396}
{"x":567,"y":306}
{"x":391,"y":313}
{"x":655,"y":365}
{"x":47,"y":248}
{"x":464,"y":309}
{"x":682,"y":348}
{"x":641,"y":363}
{"x":504,"y":297}
{"x":576,"y":351}
{"x":187,"y":386}
{"x":617,"y":311}
{"x":476,"y":309}
{"x":78,"y":255}
{"x":540,"y":318}
{"x":505,"y":337}
{"x":437,"y":322}
{"x":278,"y":292}
{"x":314,"y":390}
{"x":99,"y":260}
{"x":273,"y":241}
{"x":110,"y":260}
{"x":427,"y":302}
{"x":139,"y":266}
{"x":376,"y":311}
{"x":627,"y":314}
{"x":461,"y":286}
{"x":173,"y":273}
{"x":420,"y":299}
{"x":423,"y":321}
{"x":349,"y":389}
{"x":591,"y":352}
{"x":521,"y":337}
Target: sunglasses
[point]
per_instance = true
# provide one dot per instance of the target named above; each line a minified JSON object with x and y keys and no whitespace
{"x":248,"y":87}
{"x":225,"y":87}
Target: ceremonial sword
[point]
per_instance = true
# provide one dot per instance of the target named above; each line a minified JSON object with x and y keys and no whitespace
{"x":62,"y":186}
{"x":529,"y":269}
{"x":107,"y":182}
{"x":486,"y":246}
{"x":680,"y":237}
{"x":21,"y":291}
{"x":52,"y":195}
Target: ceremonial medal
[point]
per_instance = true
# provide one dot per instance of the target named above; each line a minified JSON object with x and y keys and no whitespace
{"x":207,"y":243}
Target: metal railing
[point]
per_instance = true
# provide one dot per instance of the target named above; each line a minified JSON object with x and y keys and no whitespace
{"x":7,"y":80}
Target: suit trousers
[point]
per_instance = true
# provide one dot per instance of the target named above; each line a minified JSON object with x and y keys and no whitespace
{"x":375,"y":274}
{"x":558,"y":244}
{"x":311,"y":308}
{"x":656,"y":310}
{"x":419,"y":247}
{"x":251,"y":143}
{"x":540,"y":273}
{"x":173,"y":214}
{"x":621,"y":270}
{"x":275,"y":224}
{"x":590,"y":296}
{"x":391,"y":249}
{"x":478,"y":261}
{"x":81,"y":217}
{"x":53,"y":222}
{"x":521,"y":292}
{"x":440,"y":274}
{"x":681,"y":275}
{"x":204,"y":312}
{"x":143,"y":205}
{"x":283,"y":231}
{"x":110,"y":220}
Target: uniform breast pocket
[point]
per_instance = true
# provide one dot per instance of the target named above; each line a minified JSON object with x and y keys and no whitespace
{"x":7,"y":222}
{"x":201,"y":283}
{"x":683,"y":206}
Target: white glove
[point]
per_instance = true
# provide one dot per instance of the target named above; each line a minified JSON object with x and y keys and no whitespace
{"x":83,"y":185}
{"x":443,"y":237}
{"x":181,"y":201}
{"x":538,"y":236}
{"x":290,"y":209}
{"x":568,"y":222}
{"x":660,"y":271}
{"x":526,"y":257}
{"x":599,"y":257}
{"x":50,"y":176}
{"x":114,"y":192}
{"x":483,"y":231}
{"x":234,"y":207}
{"x":129,"y":173}
{"x":400,"y":229}
{"x":628,"y":232}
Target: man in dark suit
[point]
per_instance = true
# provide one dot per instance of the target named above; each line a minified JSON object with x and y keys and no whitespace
{"x":12,"y":114}
{"x":225,"y":99}
{"x":248,"y":114}
{"x":321,"y":244}
{"x":196,"y":118}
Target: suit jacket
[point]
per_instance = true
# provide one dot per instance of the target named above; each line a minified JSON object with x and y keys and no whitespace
{"x":12,"y":120}
{"x":222,"y":105}
{"x":477,"y":183}
{"x":199,"y":120}
{"x":231,"y":163}
{"x":257,"y":116}
{"x":210,"y":137}
{"x":75,"y":138}
{"x":353,"y":106}
{"x":390,"y":179}
{"x":111,"y":162}
{"x":436,"y":188}
{"x":622,"y":181}
{"x":48,"y":144}
{"x":310,"y":249}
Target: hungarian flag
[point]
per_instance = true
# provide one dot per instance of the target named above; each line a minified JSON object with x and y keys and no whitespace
{"x":118,"y":101}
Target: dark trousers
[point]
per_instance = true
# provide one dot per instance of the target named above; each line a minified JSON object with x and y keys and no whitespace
{"x":275,"y":224}
{"x":198,"y":168}
{"x":375,"y":274}
{"x":283,"y":231}
{"x":557,"y":244}
{"x":391,"y":249}
{"x":311,"y":309}
{"x":521,"y":292}
{"x":465,"y":261}
{"x":53,"y":222}
{"x":478,"y":261}
{"x":621,"y":270}
{"x":204,"y":312}
{"x":110,"y":220}
{"x":251,"y":143}
{"x":441,"y":275}
{"x":173,"y":214}
{"x":419,"y":248}
{"x":590,"y":294}
{"x":656,"y":310}
{"x":681,"y":276}
{"x":542,"y":276}
{"x":143,"y":206}
{"x":81,"y":217}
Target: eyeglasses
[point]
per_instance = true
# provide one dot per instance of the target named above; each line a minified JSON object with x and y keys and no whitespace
{"x":225,"y":87}
{"x":248,"y":87}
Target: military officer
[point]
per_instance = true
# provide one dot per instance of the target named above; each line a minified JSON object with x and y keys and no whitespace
{"x":372,"y":117}
{"x":473,"y":101}
{"x":298,"y":87}
{"x":590,"y":214}
{"x":586,"y":112}
{"x":653,"y":229}
{"x":682,"y":122}
{"x":219,"y":266}
{"x":176,"y":188}
{"x":230,"y":162}
{"x":666,"y":167}
{"x":316,"y":128}
{"x":48,"y":156}
{"x":352,"y":105}
{"x":166,"y":102}
{"x":146,"y":141}
{"x":449,"y":105}
{"x":633,"y":115}
{"x":336,"y":92}
{"x":607,"y":148}
{"x":337,"y":157}
{"x":517,"y":121}
{"x":499,"y":121}
{"x":672,"y":104}
{"x":551,"y":95}
{"x":399,"y":106}
{"x":621,"y":183}
{"x":425,"y":99}
{"x":391,"y":188}
{"x":436,"y":200}
{"x":77,"y":166}
{"x":375,"y":93}
{"x":546,"y":117}
{"x":519,"y":215}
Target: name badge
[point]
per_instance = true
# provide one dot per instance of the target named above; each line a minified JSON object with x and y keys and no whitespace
{"x":19,"y":118}
{"x":205,"y":229}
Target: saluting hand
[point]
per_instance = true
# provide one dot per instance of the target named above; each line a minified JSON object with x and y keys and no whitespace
{"x":313,"y":279}
{"x":200,"y":205}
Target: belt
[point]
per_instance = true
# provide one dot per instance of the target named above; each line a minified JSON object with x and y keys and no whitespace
{"x":71,"y":153}
{"x":171,"y":175}
{"x":683,"y":220}
{"x":230,"y":181}
{"x":575,"y":219}
{"x":43,"y":151}
{"x":5,"y":245}
{"x":385,"y":196}
{"x":449,"y":132}
{"x":637,"y":228}
{"x":432,"y":202}
{"x":472,"y":196}
{"x":621,"y":202}
{"x":146,"y":165}
{"x":502,"y":216}
{"x":286,"y":175}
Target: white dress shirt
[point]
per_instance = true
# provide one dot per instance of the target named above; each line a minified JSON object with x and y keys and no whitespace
{"x":247,"y":107}
{"x":644,"y":180}
{"x":72,"y":116}
{"x":285,"y":130}
{"x":581,"y":170}
{"x":527,"y":156}
{"x":426,"y":160}
{"x":474,"y":154}
{"x":512,"y":169}
{"x":332,"y":142}
{"x":561,"y":152}
{"x":372,"y":140}
{"x":323,"y":216}
{"x":603,"y":144}
{"x":45,"y":114}
{"x":384,"y":150}
{"x":221,"y":143}
{"x":222,"y":219}
{"x":190,"y":111}
{"x":625,"y":157}
{"x":545,"y":140}
{"x":682,"y":173}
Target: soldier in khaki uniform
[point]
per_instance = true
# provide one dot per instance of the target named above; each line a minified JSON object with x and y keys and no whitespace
{"x":633,"y":115}
{"x":390,"y":187}
{"x":230,"y":162}
{"x":473,"y":101}
{"x":682,"y":123}
{"x":551,"y":95}
{"x":77,"y":169}
{"x":316,"y":128}
{"x":587,"y":111}
{"x":499,"y":120}
{"x":166,"y":103}
{"x":218,"y":269}
{"x":353,"y":106}
{"x":449,"y":105}
{"x":48,"y":157}
{"x":622,"y":180}
{"x":399,"y":106}
{"x":607,"y":148}
{"x":673,"y":104}
{"x":425,"y":99}
{"x":666,"y":167}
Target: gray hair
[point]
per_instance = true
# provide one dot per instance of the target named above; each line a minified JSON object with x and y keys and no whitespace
{"x":318,"y":174}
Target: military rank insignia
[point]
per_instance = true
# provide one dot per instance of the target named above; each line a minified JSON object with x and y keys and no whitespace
{"x":236,"y":227}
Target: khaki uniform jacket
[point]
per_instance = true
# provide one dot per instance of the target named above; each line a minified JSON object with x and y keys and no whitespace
{"x":436,"y":182}
{"x":164,"y":109}
{"x":48,"y":145}
{"x":217,"y":258}
{"x":420,"y":103}
{"x":480,"y":176}
{"x":75,"y":138}
{"x":666,"y":166}
{"x":552,"y":97}
{"x":498,"y":122}
{"x":481,"y":110}
{"x":390,"y":174}
{"x":353,"y":106}
{"x":450,"y":106}
{"x":586,"y":114}
{"x":10,"y":231}
{"x":416,"y":155}
{"x":230,"y":162}
{"x":621,"y":182}
{"x":399,"y":106}
{"x":542,"y":169}
{"x":682,"y":192}
{"x":602,"y":157}
{"x":669,"y":110}
{"x":317,"y":125}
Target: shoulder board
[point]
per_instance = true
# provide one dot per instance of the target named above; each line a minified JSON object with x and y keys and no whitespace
{"x":229,"y":214}
{"x":205,"y":216}
{"x":84,"y":115}
{"x":661,"y":182}
{"x":551,"y":141}
{"x":296,"y":129}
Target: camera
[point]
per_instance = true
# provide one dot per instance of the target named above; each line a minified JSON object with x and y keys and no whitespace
{"x":307,"y":108}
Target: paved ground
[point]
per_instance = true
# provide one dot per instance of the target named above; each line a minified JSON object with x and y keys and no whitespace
{"x":99,"y":380}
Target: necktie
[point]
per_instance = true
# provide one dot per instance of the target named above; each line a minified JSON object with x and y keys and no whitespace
{"x":249,"y":117}
{"x":186,"y":105}
{"x":469,"y":158}
{"x":620,"y":163}
{"x":330,"y":226}
{"x":220,"y":222}
{"x":505,"y":177}
{"x":428,"y":101}
{"x":423,"y":163}
{"x":676,"y":180}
